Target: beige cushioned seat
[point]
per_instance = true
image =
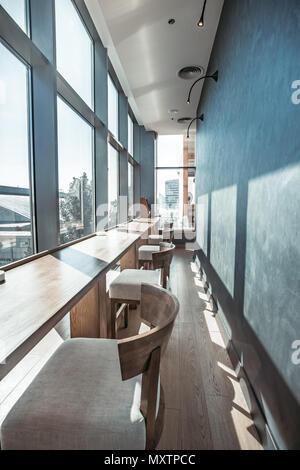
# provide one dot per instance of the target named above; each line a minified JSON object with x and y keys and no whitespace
{"x":78,"y":401}
{"x":155,"y":239}
{"x":127,"y":285}
{"x":145,"y":252}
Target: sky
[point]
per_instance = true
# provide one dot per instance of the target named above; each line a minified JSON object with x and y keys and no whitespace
{"x":169,"y":153}
{"x":75,"y":135}
{"x":14,"y":121}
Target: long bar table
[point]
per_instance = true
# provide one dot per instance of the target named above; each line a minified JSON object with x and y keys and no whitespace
{"x":39,"y":292}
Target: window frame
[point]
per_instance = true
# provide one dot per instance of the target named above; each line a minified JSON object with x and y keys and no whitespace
{"x":110,"y":79}
{"x":27,"y":18}
{"x":132,"y":136}
{"x":109,"y":227}
{"x":131,"y":165}
{"x":75,"y":6}
{"x":30,"y":146}
{"x":37,"y":56}
{"x":181,"y":168}
{"x":92,"y":165}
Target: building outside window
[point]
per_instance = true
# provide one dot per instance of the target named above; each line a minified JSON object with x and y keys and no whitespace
{"x":113,"y":108}
{"x":175,"y":180}
{"x":17,"y":9}
{"x":130,"y":190}
{"x":16,"y":239}
{"x":75,"y":174}
{"x":113,"y":186}
{"x":74,"y":49}
{"x":130,"y":136}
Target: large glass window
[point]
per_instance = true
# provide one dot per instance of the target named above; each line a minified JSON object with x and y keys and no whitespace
{"x":17,"y":9}
{"x":130,"y":136}
{"x":170,"y":151}
{"x":113,"y":108}
{"x":74,"y":49}
{"x":130,"y":190}
{"x":113,"y":186}
{"x":15,"y":201}
{"x":175,"y":180}
{"x":75,"y":174}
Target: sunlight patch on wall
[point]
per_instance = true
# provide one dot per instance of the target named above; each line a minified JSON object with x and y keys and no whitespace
{"x":272,"y":273}
{"x":202,"y":222}
{"x":223,"y":234}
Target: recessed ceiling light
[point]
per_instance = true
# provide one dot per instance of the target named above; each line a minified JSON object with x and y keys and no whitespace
{"x":192,"y":72}
{"x":173,"y":111}
{"x":184,"y":120}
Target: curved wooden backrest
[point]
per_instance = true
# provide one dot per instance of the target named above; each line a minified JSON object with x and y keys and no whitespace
{"x":163,"y":259}
{"x":141,"y":354}
{"x":159,"y":309}
{"x":145,"y":209}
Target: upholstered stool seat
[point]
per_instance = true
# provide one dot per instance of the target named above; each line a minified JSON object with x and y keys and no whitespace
{"x":145,"y":252}
{"x":128,"y":284}
{"x":155,"y":239}
{"x":79,"y":402}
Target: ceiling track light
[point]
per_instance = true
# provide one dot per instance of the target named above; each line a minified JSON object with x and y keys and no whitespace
{"x":201,"y":21}
{"x":200,"y":118}
{"x":214,"y":76}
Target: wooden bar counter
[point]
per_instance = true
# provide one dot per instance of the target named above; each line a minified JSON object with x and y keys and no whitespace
{"x":41,"y":290}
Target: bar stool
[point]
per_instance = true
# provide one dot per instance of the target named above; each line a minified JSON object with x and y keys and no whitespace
{"x":125,"y":290}
{"x":98,"y":394}
{"x":145,"y":253}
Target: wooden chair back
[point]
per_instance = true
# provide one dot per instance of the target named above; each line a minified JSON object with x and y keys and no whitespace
{"x":141,"y":354}
{"x":163,"y":259}
{"x":145,"y":209}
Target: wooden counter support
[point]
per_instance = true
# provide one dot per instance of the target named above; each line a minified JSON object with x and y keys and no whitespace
{"x":88,"y":318}
{"x":129,"y":260}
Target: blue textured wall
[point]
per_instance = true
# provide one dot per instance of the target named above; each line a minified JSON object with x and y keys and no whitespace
{"x":248,"y":187}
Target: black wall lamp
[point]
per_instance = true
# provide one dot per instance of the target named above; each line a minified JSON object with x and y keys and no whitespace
{"x":201,"y":21}
{"x":200,"y":118}
{"x":214,"y":76}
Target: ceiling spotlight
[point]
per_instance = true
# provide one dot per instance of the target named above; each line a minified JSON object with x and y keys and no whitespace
{"x":200,"y":118}
{"x":201,"y":21}
{"x":171,"y":21}
{"x":214,"y":76}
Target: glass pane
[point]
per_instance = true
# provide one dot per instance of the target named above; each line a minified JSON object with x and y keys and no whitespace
{"x":113,"y":108}
{"x":74,"y":49}
{"x":175,"y":196}
{"x":169,"y":151}
{"x":75,"y":174}
{"x":170,"y":195}
{"x":17,"y":10}
{"x":113,"y":186}
{"x":15,"y":200}
{"x":130,"y":190}
{"x":130,"y":136}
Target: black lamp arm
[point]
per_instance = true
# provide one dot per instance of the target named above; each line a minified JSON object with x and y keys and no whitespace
{"x":201,"y":118}
{"x":214,"y":77}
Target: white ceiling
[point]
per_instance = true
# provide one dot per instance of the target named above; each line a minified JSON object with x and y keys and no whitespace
{"x":147,"y":53}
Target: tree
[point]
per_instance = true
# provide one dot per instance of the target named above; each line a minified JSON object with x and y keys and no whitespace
{"x":76,"y":209}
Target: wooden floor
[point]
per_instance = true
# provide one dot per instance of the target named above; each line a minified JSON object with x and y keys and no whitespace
{"x":205,"y":407}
